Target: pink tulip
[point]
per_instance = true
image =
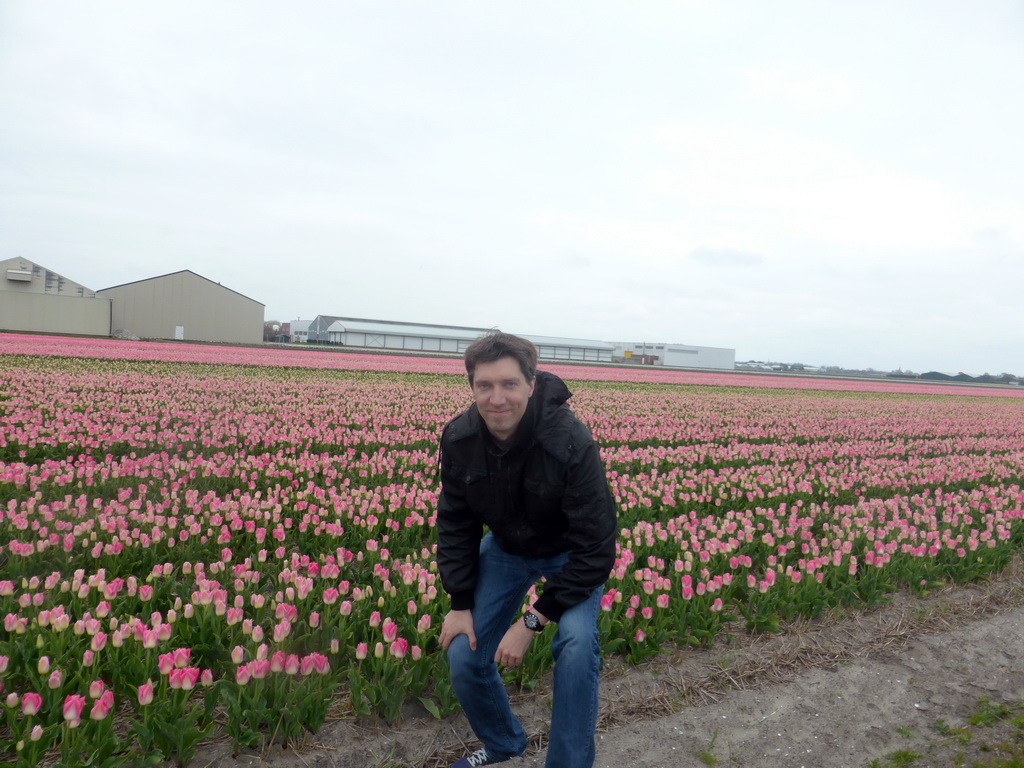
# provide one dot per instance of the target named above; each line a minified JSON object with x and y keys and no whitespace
{"x":184,"y":679}
{"x":291,"y":665}
{"x":361,"y":651}
{"x":165,"y":663}
{"x":73,"y":706}
{"x":146,"y":694}
{"x":243,"y":674}
{"x":260,"y":668}
{"x":389,"y":630}
{"x":96,"y":688}
{"x":30,"y":703}
{"x":399,"y":647}
{"x":102,"y":706}
{"x":55,"y":680}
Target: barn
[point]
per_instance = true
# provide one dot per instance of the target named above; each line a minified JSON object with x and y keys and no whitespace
{"x":184,"y":306}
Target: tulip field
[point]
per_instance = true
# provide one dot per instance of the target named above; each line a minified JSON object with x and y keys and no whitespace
{"x":198,"y":540}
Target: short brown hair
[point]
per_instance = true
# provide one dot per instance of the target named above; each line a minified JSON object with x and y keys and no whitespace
{"x":496,"y":345}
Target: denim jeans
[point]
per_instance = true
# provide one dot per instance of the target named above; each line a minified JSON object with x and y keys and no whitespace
{"x":502,"y":584}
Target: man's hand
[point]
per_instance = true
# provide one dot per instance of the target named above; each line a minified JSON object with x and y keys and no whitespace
{"x":513,"y":646}
{"x":458,"y":623}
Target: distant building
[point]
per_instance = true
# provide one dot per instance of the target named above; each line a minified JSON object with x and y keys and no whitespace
{"x":675,"y":355}
{"x":453,"y":339}
{"x":298,"y":330}
{"x":33,"y":298}
{"x":185,"y":306}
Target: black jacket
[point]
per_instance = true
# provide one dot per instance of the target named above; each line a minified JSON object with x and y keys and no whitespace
{"x":545,"y":495}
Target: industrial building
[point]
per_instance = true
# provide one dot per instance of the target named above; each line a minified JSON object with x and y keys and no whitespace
{"x":186,"y":307}
{"x":675,"y":355}
{"x":33,"y":298}
{"x":453,"y":339}
{"x":181,"y":305}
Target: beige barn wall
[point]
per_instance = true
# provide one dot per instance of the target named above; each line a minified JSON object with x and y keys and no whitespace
{"x":47,"y":313}
{"x":154,"y":308}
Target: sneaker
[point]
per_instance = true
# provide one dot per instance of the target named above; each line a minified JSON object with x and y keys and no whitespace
{"x":475,"y":760}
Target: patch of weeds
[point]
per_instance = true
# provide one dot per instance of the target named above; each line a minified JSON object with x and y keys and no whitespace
{"x":904,"y":731}
{"x":705,"y":755}
{"x":962,"y":735}
{"x":903,"y":757}
{"x":898,"y":759}
{"x":988,"y":714}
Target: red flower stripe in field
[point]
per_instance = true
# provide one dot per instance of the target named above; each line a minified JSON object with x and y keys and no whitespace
{"x":319,"y":357}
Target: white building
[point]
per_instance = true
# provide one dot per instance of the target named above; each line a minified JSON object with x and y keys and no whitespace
{"x":299,"y":331}
{"x":453,"y":339}
{"x":675,"y":355}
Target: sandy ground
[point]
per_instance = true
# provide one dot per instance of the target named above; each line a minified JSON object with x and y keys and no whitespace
{"x":834,"y":693}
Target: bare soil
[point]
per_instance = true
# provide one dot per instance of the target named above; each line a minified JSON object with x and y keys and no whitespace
{"x":839,"y":692}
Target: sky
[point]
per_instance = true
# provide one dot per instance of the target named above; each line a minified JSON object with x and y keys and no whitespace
{"x":832,"y":183}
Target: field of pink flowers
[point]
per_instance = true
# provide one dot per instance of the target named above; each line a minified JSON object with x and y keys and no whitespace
{"x":204,"y":539}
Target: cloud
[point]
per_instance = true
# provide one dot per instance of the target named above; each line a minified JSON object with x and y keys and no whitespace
{"x":812,"y":90}
{"x":724,"y":257}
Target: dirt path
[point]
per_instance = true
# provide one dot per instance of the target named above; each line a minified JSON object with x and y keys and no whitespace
{"x":836,"y":693}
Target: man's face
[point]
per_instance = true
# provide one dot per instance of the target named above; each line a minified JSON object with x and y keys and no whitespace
{"x":501,"y":393}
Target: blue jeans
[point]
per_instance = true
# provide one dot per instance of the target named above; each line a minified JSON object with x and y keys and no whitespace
{"x":502,"y":584}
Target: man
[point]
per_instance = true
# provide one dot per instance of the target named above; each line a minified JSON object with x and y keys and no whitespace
{"x":520,"y":463}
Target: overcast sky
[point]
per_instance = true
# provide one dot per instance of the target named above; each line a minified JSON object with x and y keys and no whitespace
{"x":819,"y":182}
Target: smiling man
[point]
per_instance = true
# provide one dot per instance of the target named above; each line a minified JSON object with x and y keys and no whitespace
{"x":519,"y":464}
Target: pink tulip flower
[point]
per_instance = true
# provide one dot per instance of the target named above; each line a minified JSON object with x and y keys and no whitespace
{"x":73,"y":706}
{"x":102,"y":706}
{"x":31,"y":703}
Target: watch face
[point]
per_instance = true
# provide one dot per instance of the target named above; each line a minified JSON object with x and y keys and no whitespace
{"x":532,"y":622}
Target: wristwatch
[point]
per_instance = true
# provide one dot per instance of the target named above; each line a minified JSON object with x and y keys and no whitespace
{"x":532,"y":622}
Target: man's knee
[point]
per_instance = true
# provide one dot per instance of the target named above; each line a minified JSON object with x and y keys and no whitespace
{"x":463,"y":661}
